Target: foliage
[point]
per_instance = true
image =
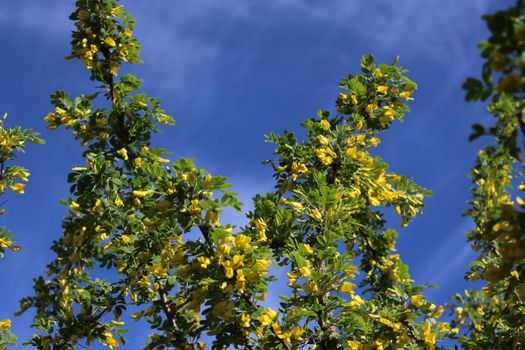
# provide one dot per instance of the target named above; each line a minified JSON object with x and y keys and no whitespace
{"x":494,"y":317}
{"x":155,"y":225}
{"x":12,"y":177}
{"x":325,"y":224}
{"x":138,"y":215}
{"x":143,"y":240}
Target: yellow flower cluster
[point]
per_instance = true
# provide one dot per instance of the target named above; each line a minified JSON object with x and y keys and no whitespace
{"x":428,"y":336}
{"x":295,"y":334}
{"x":326,"y":155}
{"x":5,"y":324}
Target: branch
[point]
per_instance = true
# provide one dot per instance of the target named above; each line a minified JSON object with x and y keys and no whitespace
{"x":170,"y":314}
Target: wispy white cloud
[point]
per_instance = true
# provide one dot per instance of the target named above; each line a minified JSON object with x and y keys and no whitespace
{"x":448,"y":262}
{"x":424,"y":25}
{"x":182,"y":52}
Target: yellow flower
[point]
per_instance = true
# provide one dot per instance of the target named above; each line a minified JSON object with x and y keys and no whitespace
{"x":240,"y":282}
{"x":22,"y":175}
{"x":417,"y":300}
{"x":296,"y":333}
{"x":117,"y":10}
{"x":18,"y":188}
{"x":355,"y":302}
{"x":118,"y":202}
{"x":386,"y":321}
{"x":308,"y":249}
{"x":260,"y":223}
{"x":140,"y":194}
{"x":110,"y":340}
{"x":267,"y":317}
{"x":438,"y":312}
{"x":5,"y":324}
{"x":73,"y":206}
{"x":144,"y":282}
{"x":299,"y":168}
{"x":5,"y":243}
{"x":228,"y":269}
{"x":125,"y":239}
{"x":354,"y":99}
{"x":316,"y":214}
{"x":305,"y":272}
{"x":165,"y":119}
{"x":245,"y":321}
{"x":428,"y":336}
{"x":292,"y":278}
{"x":110,"y":42}
{"x":382,"y":89}
{"x":261,"y":266}
{"x":224,"y":248}
{"x":351,"y":151}
{"x":323,"y":140}
{"x":297,"y":206}
{"x":378,"y":73}
{"x":354,"y":345}
{"x":326,"y":155}
{"x":374,"y":202}
{"x":330,"y":152}
{"x":379,"y":344}
{"x":406,"y":95}
{"x":324,"y":124}
{"x":241,"y":241}
{"x":459,"y":313}
{"x":445,"y":326}
{"x":374,"y":141}
{"x":238,"y":260}
{"x":348,"y":288}
{"x":195,"y":207}
{"x":97,"y":208}
{"x":371,"y":108}
{"x":123,"y":153}
{"x":203,"y":261}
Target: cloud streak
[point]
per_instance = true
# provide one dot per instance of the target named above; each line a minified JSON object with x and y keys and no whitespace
{"x":448,"y":263}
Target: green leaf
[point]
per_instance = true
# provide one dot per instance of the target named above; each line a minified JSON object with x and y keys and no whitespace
{"x":478,"y":130}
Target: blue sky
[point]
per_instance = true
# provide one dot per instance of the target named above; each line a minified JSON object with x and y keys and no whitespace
{"x":231,"y":71}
